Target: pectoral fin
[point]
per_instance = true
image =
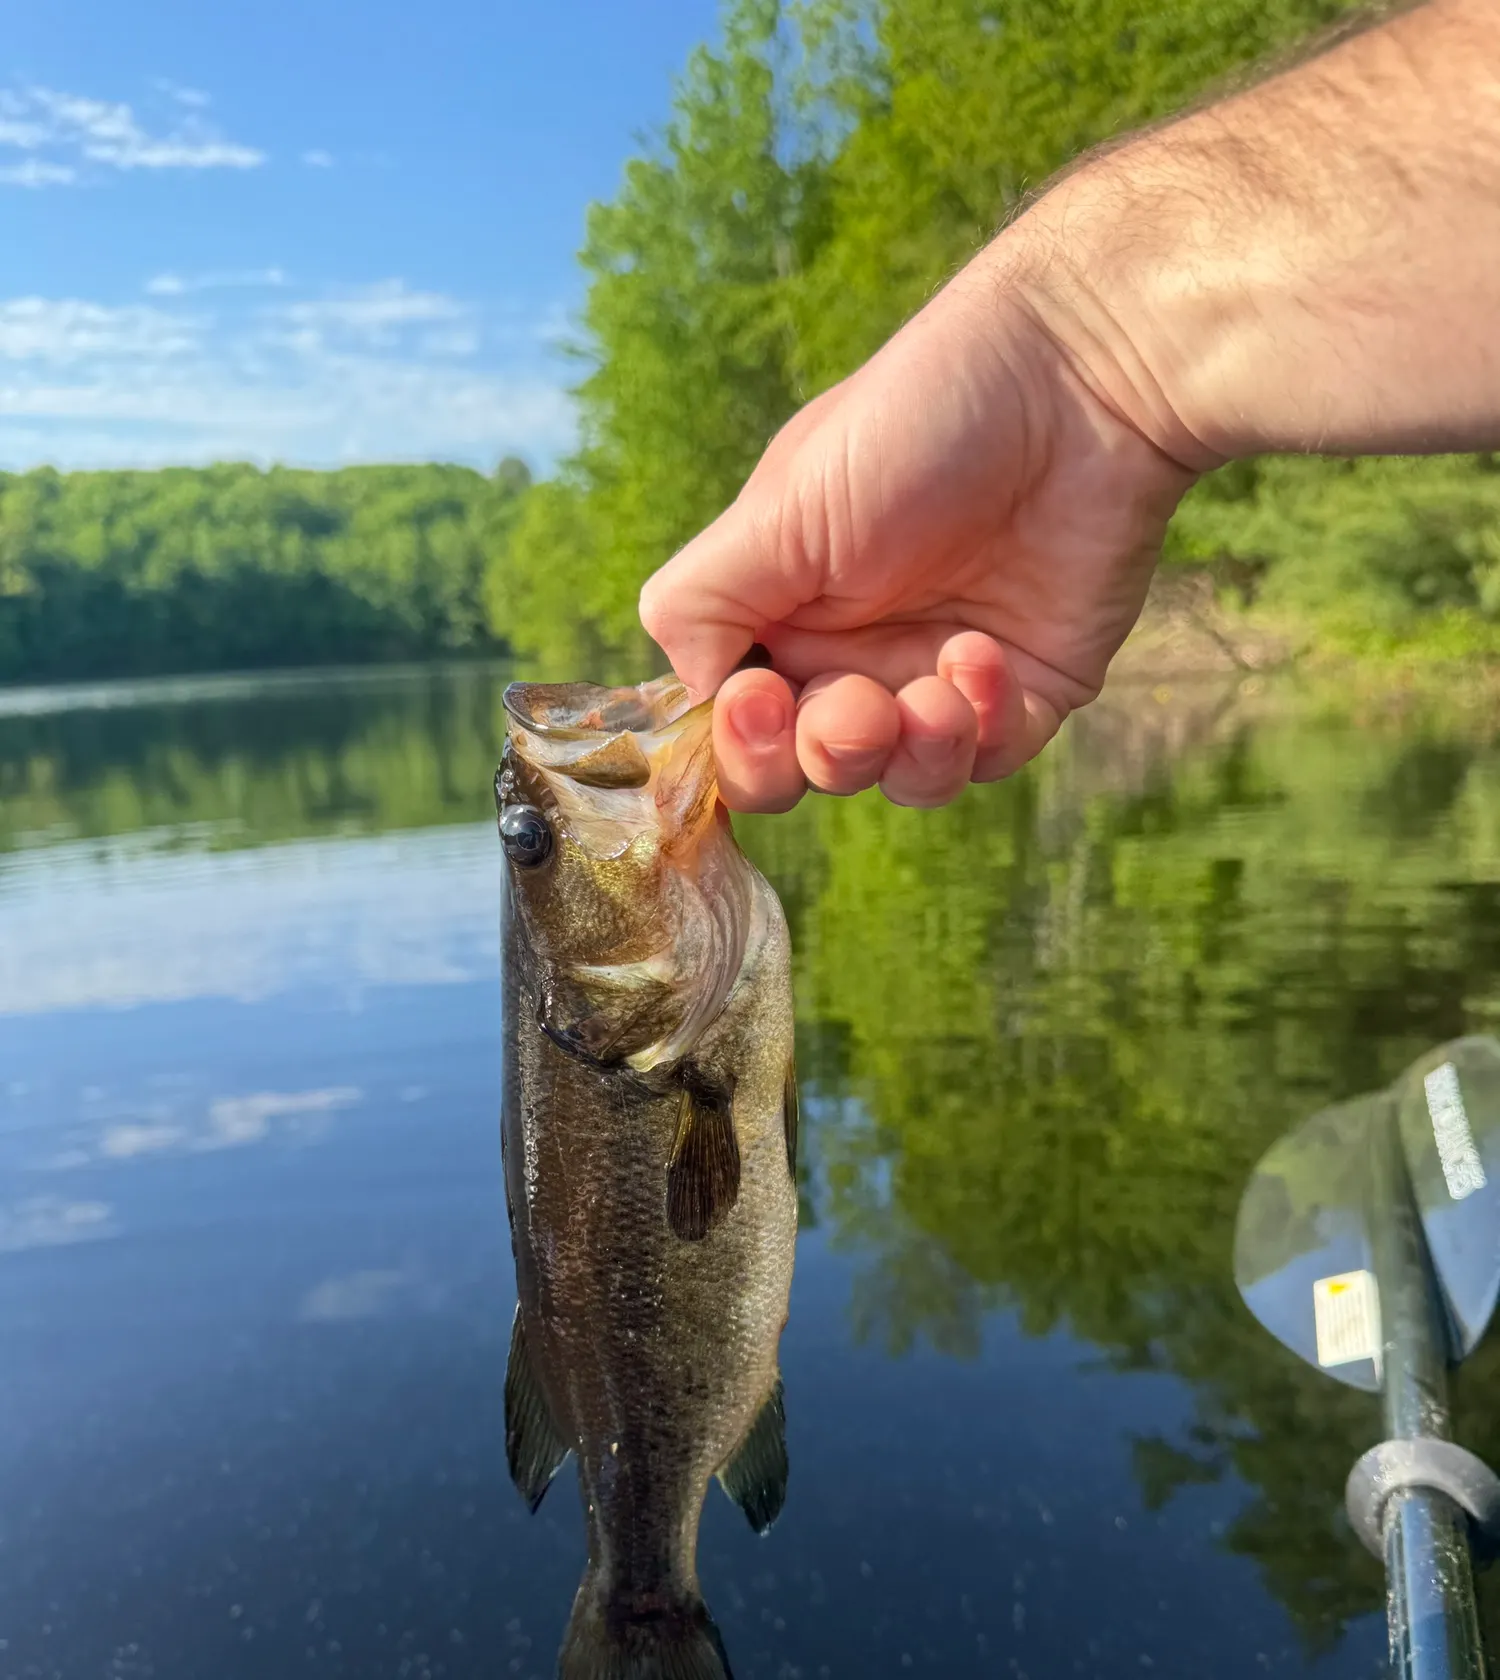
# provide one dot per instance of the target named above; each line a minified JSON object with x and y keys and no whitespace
{"x":755,"y":1475}
{"x":703,"y":1174}
{"x":533,"y":1448}
{"x":791,"y":1120}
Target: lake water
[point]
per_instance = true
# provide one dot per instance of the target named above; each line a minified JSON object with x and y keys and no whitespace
{"x":255,"y":1285}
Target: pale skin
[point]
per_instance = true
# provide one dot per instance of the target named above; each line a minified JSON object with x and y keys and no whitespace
{"x":943,"y":553}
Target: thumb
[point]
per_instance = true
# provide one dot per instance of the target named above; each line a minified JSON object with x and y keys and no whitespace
{"x":711,"y":601}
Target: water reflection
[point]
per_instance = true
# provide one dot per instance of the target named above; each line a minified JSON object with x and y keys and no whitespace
{"x":239,"y":762}
{"x":1044,"y":1038}
{"x":1071,"y":1030}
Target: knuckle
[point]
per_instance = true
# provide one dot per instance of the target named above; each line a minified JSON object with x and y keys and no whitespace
{"x":654,"y":605}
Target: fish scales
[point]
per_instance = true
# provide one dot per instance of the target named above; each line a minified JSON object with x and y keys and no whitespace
{"x":649,"y":1134}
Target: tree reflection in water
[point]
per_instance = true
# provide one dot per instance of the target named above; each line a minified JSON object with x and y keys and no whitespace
{"x":1045,"y":1034}
{"x":1071,"y":1012}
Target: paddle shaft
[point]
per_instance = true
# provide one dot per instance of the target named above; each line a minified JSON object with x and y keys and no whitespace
{"x":1431,"y":1612}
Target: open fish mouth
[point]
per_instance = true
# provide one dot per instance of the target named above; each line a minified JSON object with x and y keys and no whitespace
{"x":616,"y":760}
{"x":578,"y":711}
{"x":625,"y":778}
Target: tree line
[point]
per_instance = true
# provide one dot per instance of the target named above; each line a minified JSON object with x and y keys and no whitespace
{"x":228,"y":567}
{"x":824,"y":167}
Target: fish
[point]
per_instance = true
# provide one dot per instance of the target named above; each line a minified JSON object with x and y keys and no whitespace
{"x":649,"y":1133}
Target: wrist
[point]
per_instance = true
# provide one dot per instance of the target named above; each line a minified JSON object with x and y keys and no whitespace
{"x":1308,"y":267}
{"x":1123,"y":269}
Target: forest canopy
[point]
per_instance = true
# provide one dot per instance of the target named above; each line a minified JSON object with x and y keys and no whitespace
{"x":134,"y":573}
{"x":825,"y":166}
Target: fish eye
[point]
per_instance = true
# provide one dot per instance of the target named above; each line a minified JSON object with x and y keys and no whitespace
{"x":526,"y":836}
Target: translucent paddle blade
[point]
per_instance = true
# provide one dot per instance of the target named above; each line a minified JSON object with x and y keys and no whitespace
{"x":1448,"y":1107}
{"x":1302,"y":1257}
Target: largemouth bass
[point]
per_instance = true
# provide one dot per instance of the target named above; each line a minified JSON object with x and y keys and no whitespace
{"x":650,"y":1136}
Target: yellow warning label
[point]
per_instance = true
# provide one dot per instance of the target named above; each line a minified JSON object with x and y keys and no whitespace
{"x":1346,"y":1316}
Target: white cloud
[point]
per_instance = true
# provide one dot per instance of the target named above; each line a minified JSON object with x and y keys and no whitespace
{"x":198,"y":373}
{"x":317,"y":158}
{"x":457,"y":342}
{"x":125,"y":1142}
{"x":372,"y":311}
{"x":130,"y":923}
{"x":50,"y":1222}
{"x":236,"y":1121}
{"x":35,"y":172}
{"x":178,"y":285}
{"x":65,"y":133}
{"x":16,"y":135}
{"x":357,"y":1295}
{"x":191,"y":97}
{"x":226,"y":1123}
{"x":68,"y":331}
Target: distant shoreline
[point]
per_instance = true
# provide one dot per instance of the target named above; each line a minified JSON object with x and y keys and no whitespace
{"x":107,"y":693}
{"x":1185,"y":637}
{"x":1189,"y":628}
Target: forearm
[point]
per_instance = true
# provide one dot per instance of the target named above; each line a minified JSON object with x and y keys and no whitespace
{"x":1312,"y":265}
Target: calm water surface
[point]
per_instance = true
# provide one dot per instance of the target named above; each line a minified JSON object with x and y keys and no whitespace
{"x":255,"y":1287}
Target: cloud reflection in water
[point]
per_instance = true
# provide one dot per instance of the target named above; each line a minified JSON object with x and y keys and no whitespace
{"x":121,"y":925}
{"x":52,"y":1222}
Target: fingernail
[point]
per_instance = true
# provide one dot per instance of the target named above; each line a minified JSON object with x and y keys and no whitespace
{"x":980,"y":685}
{"x":968,"y":677}
{"x":850,"y":755}
{"x":758,"y":720}
{"x":937,"y":749}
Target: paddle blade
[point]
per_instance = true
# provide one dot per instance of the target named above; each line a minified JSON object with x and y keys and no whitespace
{"x":1302,"y":1257}
{"x":1448,"y":1107}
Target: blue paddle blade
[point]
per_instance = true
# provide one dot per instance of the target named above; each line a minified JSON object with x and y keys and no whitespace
{"x":1448,"y":1108}
{"x":1302,"y":1256}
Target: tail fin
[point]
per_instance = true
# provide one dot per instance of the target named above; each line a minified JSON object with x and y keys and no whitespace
{"x":670,"y":1640}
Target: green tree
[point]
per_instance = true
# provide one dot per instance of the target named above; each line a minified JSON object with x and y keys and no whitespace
{"x":690,"y":346}
{"x":1377,"y":557}
{"x":823,"y":172}
{"x":118,"y":574}
{"x":965,"y":106}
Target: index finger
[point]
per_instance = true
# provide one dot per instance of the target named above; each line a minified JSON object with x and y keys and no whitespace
{"x":709,"y":602}
{"x":755,"y":742}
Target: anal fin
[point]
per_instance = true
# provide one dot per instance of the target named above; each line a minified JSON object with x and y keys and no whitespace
{"x":533,"y":1448}
{"x":755,"y":1474}
{"x":703,"y":1174}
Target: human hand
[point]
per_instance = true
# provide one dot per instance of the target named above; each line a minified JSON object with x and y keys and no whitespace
{"x":941,"y":555}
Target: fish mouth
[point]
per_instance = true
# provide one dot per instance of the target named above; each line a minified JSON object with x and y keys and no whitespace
{"x":615,"y":769}
{"x":583,"y":711}
{"x":617,"y":760}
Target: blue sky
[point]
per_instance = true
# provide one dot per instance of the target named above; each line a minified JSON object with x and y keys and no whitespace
{"x":314,"y":231}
